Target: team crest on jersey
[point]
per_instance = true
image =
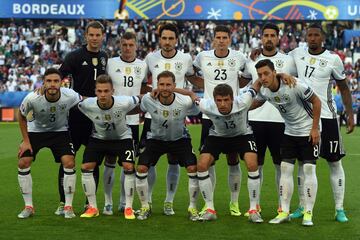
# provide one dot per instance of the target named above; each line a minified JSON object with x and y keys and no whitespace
{"x":176,"y":112}
{"x":323,"y":63}
{"x":231,"y":62}
{"x":94,"y":61}
{"x":103,"y":61}
{"x":165,"y":113}
{"x":286,"y":97}
{"x":107,"y":117}
{"x":178,"y":66}
{"x":312,"y":61}
{"x":279,"y":63}
{"x":167,"y":66}
{"x":118,"y":114}
{"x":62,"y":107}
{"x":137,"y":71}
{"x":220,"y":63}
{"x":52,"y":109}
{"x":128,"y":70}
{"x":277,"y":99}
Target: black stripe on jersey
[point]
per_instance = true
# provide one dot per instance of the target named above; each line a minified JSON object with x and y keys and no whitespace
{"x":134,"y":99}
{"x":329,"y":100}
{"x":332,"y":77}
{"x":307,"y":92}
{"x":307,"y":107}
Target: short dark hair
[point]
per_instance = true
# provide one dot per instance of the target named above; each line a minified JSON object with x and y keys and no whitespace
{"x":316,"y":25}
{"x":170,"y":27}
{"x":223,"y":90}
{"x":128,"y":36}
{"x":272,"y":26}
{"x":52,"y":71}
{"x":104,"y":78}
{"x":166,"y":74}
{"x":265,"y":62}
{"x":222,"y":28}
{"x":95,"y":24}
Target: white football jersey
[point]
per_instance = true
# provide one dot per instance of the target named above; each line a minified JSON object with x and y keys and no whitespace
{"x":233,"y":124}
{"x":217,"y":70}
{"x":318,"y":71}
{"x":49,"y":116}
{"x":127,"y":78}
{"x":293,"y":105}
{"x":168,"y":121}
{"x":283,"y":64}
{"x":109,"y":124}
{"x":180,"y":65}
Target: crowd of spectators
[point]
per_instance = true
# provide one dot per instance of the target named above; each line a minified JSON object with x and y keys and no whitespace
{"x":28,"y":47}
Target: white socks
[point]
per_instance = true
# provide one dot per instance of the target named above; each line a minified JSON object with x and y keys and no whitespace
{"x":277,"y":182}
{"x":253,"y":188}
{"x":25,"y":183}
{"x":300,"y":183}
{"x":151,"y":179}
{"x":142,"y":188}
{"x":129,"y":187}
{"x":69,"y":185}
{"x":337,"y":180}
{"x":193,"y":189}
{"x":234,"y":181}
{"x":206,"y":188}
{"x":88,"y":184}
{"x":172,"y":181}
{"x":108,"y":179}
{"x":286,"y":188}
{"x":310,"y":186}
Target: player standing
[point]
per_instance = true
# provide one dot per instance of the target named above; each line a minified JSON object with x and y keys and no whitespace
{"x":84,"y":65}
{"x":300,"y":108}
{"x":129,"y":79}
{"x":218,"y":66}
{"x":318,"y":67}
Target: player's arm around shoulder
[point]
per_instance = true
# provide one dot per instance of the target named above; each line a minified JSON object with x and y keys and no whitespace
{"x":257,"y":99}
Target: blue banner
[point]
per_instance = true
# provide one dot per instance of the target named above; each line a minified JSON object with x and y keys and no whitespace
{"x":12,"y":99}
{"x":183,"y":9}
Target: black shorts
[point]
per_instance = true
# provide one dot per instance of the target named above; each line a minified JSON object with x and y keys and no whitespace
{"x":299,"y":148}
{"x":181,"y":149}
{"x":58,"y":142}
{"x":97,"y":149}
{"x":239,"y":144}
{"x":80,"y":128}
{"x":145,"y":130}
{"x":331,"y":148}
{"x":135,"y":137}
{"x":206,"y":124}
{"x":268,"y":134}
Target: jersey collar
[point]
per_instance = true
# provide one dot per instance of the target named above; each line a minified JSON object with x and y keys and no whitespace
{"x":223,"y":56}
{"x":176,"y":51}
{"x":113,"y":101}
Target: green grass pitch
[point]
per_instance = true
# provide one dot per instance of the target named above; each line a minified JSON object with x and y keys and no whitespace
{"x":45,"y":225}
